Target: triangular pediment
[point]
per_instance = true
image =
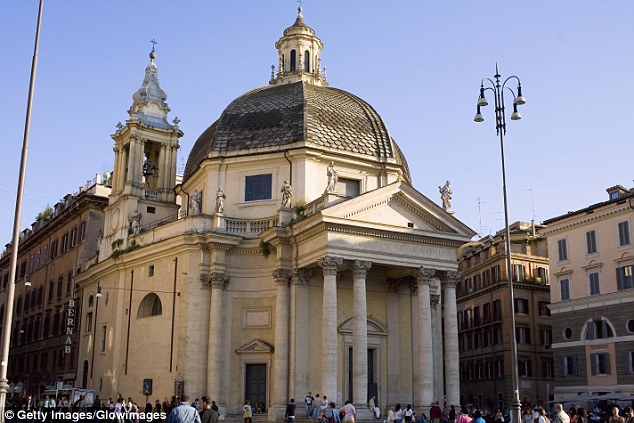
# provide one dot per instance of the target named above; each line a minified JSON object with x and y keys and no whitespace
{"x":398,"y":206}
{"x":255,"y":346}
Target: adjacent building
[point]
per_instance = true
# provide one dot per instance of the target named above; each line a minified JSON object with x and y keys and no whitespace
{"x":51,"y":253}
{"x":302,"y":258}
{"x":484,"y":329}
{"x":592,"y":298}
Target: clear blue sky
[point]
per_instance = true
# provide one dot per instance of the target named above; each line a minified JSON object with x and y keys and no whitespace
{"x":418,"y":63}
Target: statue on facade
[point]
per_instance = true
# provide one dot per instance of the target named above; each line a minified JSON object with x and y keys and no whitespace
{"x":195,"y":202}
{"x":135,"y":224}
{"x":220,"y":201}
{"x":287,"y":194}
{"x":445,"y":196}
{"x":332,"y":177}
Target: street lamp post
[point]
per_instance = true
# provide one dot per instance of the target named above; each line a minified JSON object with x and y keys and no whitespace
{"x":500,"y":126}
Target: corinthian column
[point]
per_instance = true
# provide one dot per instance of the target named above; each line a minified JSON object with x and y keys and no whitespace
{"x":329,"y":265}
{"x":280,"y":359}
{"x":360,"y":334}
{"x":425,"y":341}
{"x":215,"y":387}
{"x":452,"y":375}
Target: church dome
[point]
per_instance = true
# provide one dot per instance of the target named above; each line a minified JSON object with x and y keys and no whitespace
{"x":282,"y":116}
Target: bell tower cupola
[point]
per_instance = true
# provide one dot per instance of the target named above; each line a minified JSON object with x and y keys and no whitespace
{"x":299,"y":52}
{"x":144,"y":173}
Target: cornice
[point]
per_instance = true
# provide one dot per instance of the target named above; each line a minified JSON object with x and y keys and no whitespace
{"x":577,"y":219}
{"x":594,"y":301}
{"x":376,"y":233}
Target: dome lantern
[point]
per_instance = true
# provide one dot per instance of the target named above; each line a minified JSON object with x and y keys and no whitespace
{"x":299,"y":55}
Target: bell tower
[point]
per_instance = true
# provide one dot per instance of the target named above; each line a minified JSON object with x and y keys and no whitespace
{"x":144,"y":174}
{"x":299,"y":52}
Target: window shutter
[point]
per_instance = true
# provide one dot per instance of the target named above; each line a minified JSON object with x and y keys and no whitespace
{"x":562,"y":366}
{"x":593,"y":364}
{"x":619,"y":278}
{"x":607,"y":364}
{"x":574,"y":365}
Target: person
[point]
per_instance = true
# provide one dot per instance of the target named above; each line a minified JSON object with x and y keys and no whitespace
{"x":528,"y":415}
{"x":332,"y":177}
{"x":435,"y":412}
{"x":214,"y":406}
{"x":157,"y":405}
{"x":582,"y":415}
{"x":289,"y":416}
{"x":541,"y":416}
{"x":330,"y":414}
{"x":408,"y":413}
{"x":463,"y":417}
{"x":184,"y":413}
{"x":398,"y":413}
{"x":220,"y":201}
{"x":247,"y":412}
{"x":391,"y":415}
{"x":167,"y":407}
{"x":372,"y":406}
{"x":207,"y":414}
{"x":615,"y":418}
{"x":445,"y":196}
{"x":452,"y":414}
{"x":287,"y":194}
{"x":562,"y":417}
{"x":629,"y":415}
{"x":309,"y":404}
{"x":349,"y":412}
{"x":572,"y":412}
{"x":477,"y":416}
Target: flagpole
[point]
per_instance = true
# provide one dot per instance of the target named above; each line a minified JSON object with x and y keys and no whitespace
{"x":8,"y":317}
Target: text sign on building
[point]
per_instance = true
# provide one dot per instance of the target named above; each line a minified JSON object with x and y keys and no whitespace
{"x":70,"y":325}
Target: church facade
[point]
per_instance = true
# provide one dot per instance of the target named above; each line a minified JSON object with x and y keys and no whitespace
{"x":302,"y":258}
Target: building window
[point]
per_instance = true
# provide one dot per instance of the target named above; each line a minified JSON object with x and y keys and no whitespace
{"x":562,"y":248}
{"x":497,"y":336}
{"x":82,"y":231}
{"x":518,"y":273}
{"x":624,"y":233}
{"x":541,"y":275}
{"x":593,"y":280}
{"x":487,"y":339}
{"x":548,"y":371}
{"x":151,"y":210}
{"x":497,"y":310}
{"x":599,"y":329}
{"x":564,"y":285}
{"x":104,"y":331}
{"x":150,"y":306}
{"x":591,"y":242}
{"x":73,"y":237}
{"x":625,"y":277}
{"x":476,"y":316}
{"x":486,"y":313}
{"x":37,"y":259}
{"x":546,"y":336}
{"x":64,"y":243}
{"x":486,"y":277}
{"x":521,"y":305}
{"x":524,"y":367}
{"x":293,"y":60}
{"x":307,"y":61}
{"x":630,"y":361}
{"x":151,"y":270}
{"x":629,"y":325}
{"x":88,"y":321}
{"x":543,"y":308}
{"x":600,"y":364}
{"x":60,"y":282}
{"x":568,"y":365}
{"x":53,"y":249}
{"x":499,"y":367}
{"x":258,"y":187}
{"x":477,"y":282}
{"x":495,"y":273}
{"x":523,"y":335}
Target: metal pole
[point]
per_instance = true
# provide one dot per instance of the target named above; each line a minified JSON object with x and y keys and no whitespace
{"x":8,"y":317}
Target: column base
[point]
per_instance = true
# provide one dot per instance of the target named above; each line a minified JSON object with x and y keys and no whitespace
{"x":364,"y":414}
{"x":276,"y":413}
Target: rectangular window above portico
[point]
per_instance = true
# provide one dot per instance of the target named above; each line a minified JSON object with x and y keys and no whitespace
{"x":258,"y":187}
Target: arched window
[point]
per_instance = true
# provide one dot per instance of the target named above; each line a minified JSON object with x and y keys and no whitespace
{"x":84,"y":377}
{"x":91,"y":301}
{"x":150,"y":306}
{"x":599,"y":329}
{"x":307,"y":61}
{"x":293,"y":61}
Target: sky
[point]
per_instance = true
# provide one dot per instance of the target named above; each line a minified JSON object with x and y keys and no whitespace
{"x":418,"y":63}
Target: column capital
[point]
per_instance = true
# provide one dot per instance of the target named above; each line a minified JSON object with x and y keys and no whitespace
{"x":330,"y":264}
{"x":424,"y":275}
{"x":281,"y":276}
{"x":451,"y":279}
{"x":301,"y":276}
{"x":218,"y":280}
{"x":360,"y":268}
{"x":393,"y":285}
